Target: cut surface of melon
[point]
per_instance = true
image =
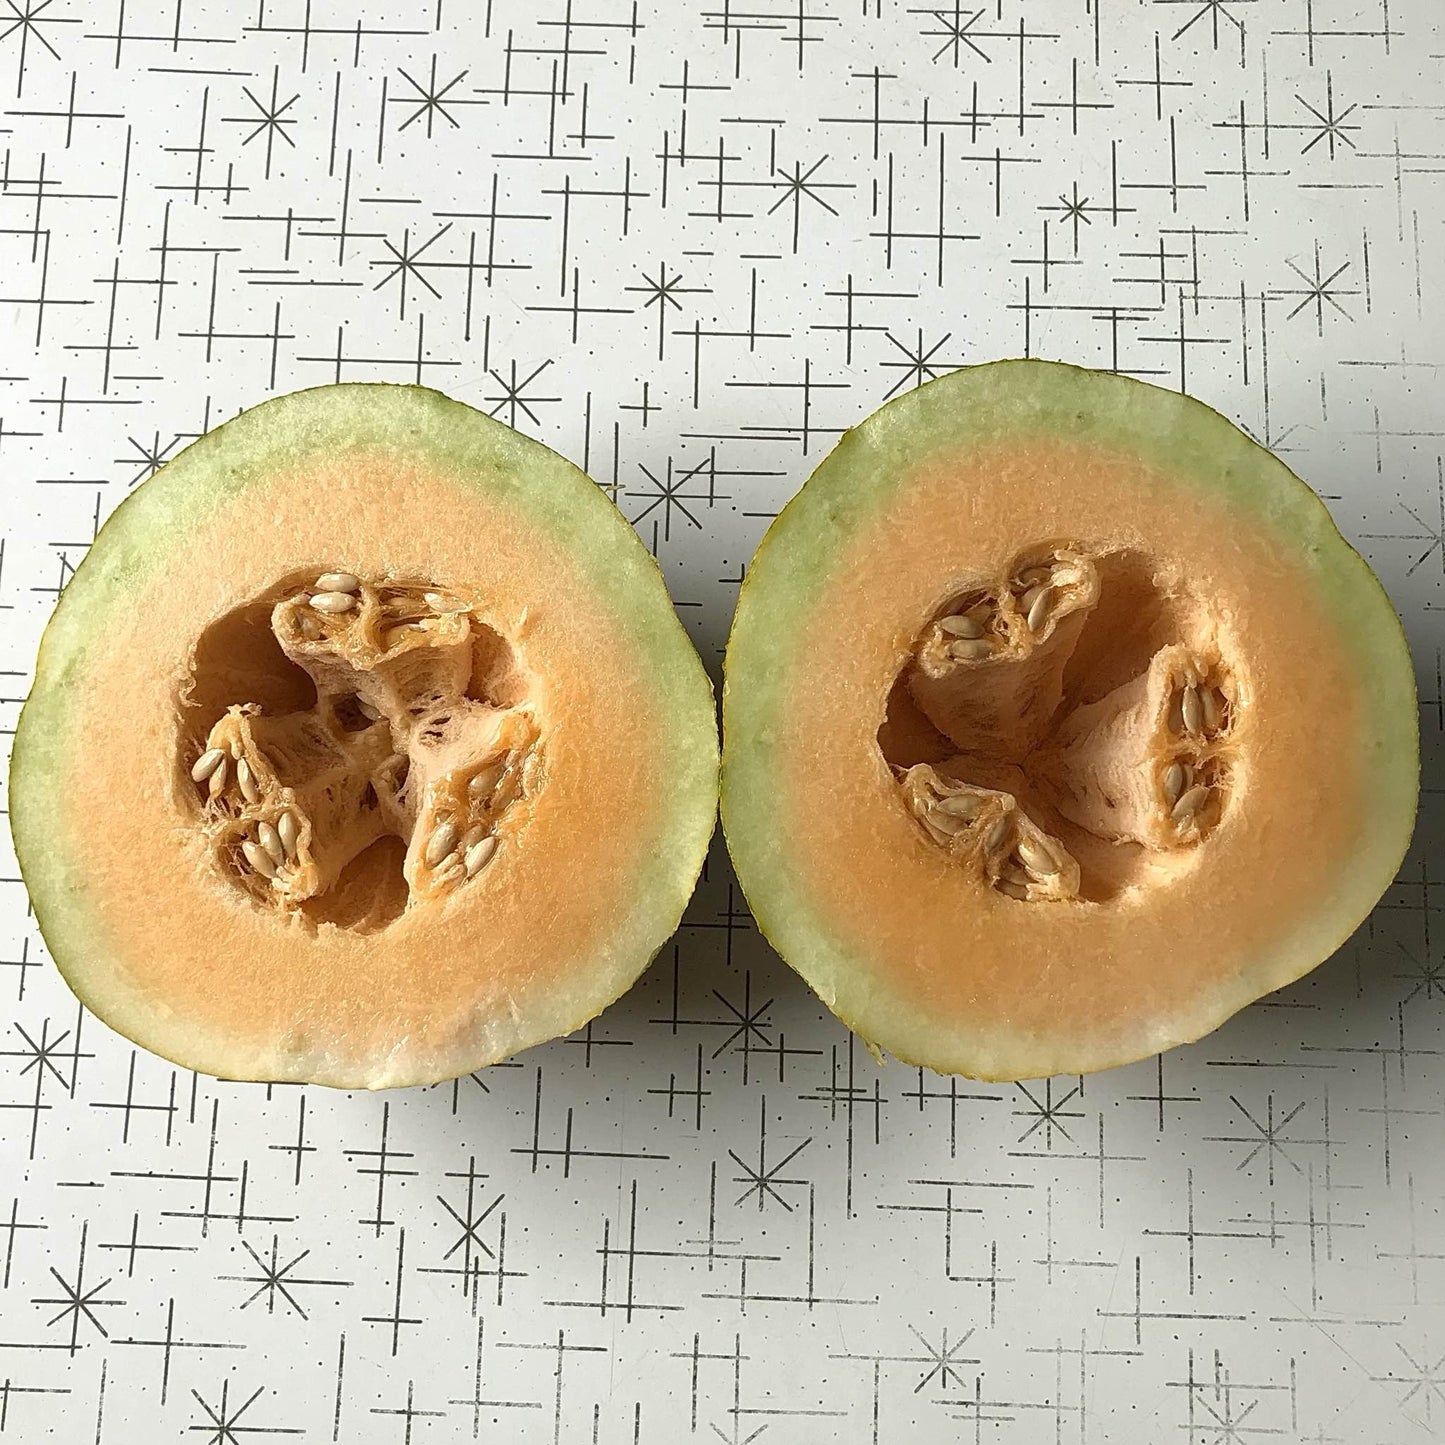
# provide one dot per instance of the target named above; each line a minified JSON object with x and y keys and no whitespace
{"x":364,"y":748}
{"x":1060,"y":723}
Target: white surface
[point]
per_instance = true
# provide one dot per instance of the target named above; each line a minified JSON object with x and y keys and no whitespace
{"x":756,"y":1234}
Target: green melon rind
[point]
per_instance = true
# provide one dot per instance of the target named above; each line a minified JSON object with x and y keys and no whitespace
{"x":772,"y":634}
{"x":413,"y":423}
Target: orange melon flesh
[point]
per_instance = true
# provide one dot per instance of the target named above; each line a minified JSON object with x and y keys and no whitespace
{"x":905,"y":939}
{"x":591,"y":870}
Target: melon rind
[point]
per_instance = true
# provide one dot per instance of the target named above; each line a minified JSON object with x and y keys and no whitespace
{"x":415,"y":424}
{"x":774,"y":635}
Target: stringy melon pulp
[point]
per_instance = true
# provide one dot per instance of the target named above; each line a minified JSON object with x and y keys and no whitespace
{"x":1069,"y":729}
{"x":1060,"y":723}
{"x":377,"y":745}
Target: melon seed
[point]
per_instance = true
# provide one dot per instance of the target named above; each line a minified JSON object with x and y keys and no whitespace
{"x":368,"y":710}
{"x":451,"y":875}
{"x":960,"y":805}
{"x":338,"y":582}
{"x":333,"y":601}
{"x":1213,"y":705}
{"x":1039,"y":608}
{"x":1037,"y":858}
{"x":948,"y":824}
{"x":1010,"y":889}
{"x":1176,"y":778}
{"x":270,"y":840}
{"x":289,"y":832}
{"x":1175,"y":721}
{"x":441,"y":842}
{"x":472,"y":836}
{"x":483,"y":783}
{"x":259,"y":859}
{"x":219,"y":775}
{"x":1190,"y":803}
{"x":1192,"y":711}
{"x":993,"y":839}
{"x":247,"y":781}
{"x":479,"y":855}
{"x":207,"y":763}
{"x":969,"y":650}
{"x":969,"y":627}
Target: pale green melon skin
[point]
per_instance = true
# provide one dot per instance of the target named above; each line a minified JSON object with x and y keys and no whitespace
{"x":848,"y":493}
{"x":416,"y":424}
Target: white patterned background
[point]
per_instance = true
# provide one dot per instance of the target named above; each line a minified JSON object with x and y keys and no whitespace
{"x":687,"y":245}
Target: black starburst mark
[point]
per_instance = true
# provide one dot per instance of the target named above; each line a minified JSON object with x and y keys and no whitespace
{"x":77,"y":1304}
{"x":515,"y":397}
{"x":432,"y":102}
{"x":1319,"y":291}
{"x":1047,"y":1113}
{"x":404,"y":265}
{"x":917,"y":363}
{"x":22,"y":20}
{"x":763,"y":1179}
{"x":799,"y":185}
{"x":274,"y":1281}
{"x":269,"y":118}
{"x":222,"y":1424}
{"x":1328,"y":126}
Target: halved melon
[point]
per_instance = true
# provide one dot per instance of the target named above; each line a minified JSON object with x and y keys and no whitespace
{"x":1059,"y":724}
{"x":364,"y":748}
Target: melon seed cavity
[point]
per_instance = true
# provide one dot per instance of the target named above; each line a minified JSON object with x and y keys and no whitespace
{"x":1066,"y":729}
{"x":402,"y":757}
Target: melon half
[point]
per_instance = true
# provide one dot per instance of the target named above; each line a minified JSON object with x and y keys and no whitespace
{"x":1059,"y":724}
{"x":364,"y":748}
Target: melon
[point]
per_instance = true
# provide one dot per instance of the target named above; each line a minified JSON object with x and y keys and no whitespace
{"x":364,"y":748}
{"x":1060,"y":723}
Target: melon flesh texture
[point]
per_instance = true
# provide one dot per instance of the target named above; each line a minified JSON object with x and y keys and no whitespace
{"x":1111,"y":732}
{"x":387,"y":843}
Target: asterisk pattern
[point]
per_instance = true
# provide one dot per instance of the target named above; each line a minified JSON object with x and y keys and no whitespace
{"x":1424,"y":1388}
{"x":1320,"y":290}
{"x":956,"y":27}
{"x":275,"y":1281}
{"x":431,"y":102}
{"x":766,"y":1181}
{"x":1331,"y":128}
{"x":918,"y":363}
{"x":221,"y":1423}
{"x":798,"y":185}
{"x":270,"y":118}
{"x":22,"y":21}
{"x":76,"y":1304}
{"x":1047,"y":1113}
{"x":404,"y":266}
{"x":944,"y":1362}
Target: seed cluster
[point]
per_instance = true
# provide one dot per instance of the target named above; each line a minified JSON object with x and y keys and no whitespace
{"x":348,"y":630}
{"x":462,"y":839}
{"x":259,"y":821}
{"x":1018,"y":858}
{"x":1148,"y":763}
{"x":1196,"y":719}
{"x":978,"y":625}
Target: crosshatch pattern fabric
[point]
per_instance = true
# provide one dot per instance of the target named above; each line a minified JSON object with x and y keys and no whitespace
{"x":687,"y":245}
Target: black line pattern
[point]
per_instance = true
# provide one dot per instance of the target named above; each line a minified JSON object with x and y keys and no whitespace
{"x":688,"y":246}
